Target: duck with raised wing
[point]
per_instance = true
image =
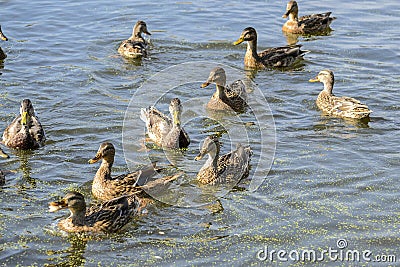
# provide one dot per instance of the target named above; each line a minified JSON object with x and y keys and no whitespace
{"x":136,"y":45}
{"x":25,"y":131}
{"x":338,"y":106}
{"x":105,"y":187}
{"x":227,"y":97}
{"x":283,"y":56}
{"x":107,"y":217}
{"x":165,"y":131}
{"x":4,"y":38}
{"x":309,"y":24}
{"x":228,"y":168}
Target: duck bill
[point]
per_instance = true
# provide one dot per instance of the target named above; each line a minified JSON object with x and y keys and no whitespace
{"x":95,"y":159}
{"x":3,"y":154}
{"x":25,"y":118}
{"x":239,"y":41}
{"x":200,"y":155}
{"x":314,"y":80}
{"x":205,"y":84}
{"x":58,"y":205}
{"x":2,"y":36}
{"x":146,"y":32}
{"x":286,"y":14}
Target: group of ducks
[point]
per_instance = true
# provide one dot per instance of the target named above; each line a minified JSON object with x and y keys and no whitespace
{"x":125,"y":195}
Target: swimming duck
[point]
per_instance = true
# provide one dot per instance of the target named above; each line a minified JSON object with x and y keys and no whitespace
{"x":227,"y":168}
{"x":135,"y":46}
{"x":105,"y":187}
{"x":4,"y":38}
{"x":164,"y":131}
{"x":107,"y":217}
{"x":343,"y":106}
{"x":25,"y":131}
{"x":306,"y":24}
{"x":273,"y":57}
{"x":227,"y":97}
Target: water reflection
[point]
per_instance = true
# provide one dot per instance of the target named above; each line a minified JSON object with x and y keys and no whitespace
{"x":293,"y":38}
{"x":27,"y":182}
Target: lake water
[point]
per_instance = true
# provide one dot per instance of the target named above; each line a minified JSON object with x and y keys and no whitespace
{"x":330,"y":184}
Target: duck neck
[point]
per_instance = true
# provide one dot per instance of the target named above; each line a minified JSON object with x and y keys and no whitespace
{"x":212,"y":161}
{"x":78,"y":216}
{"x":221,"y":91}
{"x":293,"y":16}
{"x":104,"y":172}
{"x":252,"y":49}
{"x":328,"y":87}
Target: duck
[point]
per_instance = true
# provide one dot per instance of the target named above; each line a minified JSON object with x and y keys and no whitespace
{"x":4,"y":38}
{"x":309,"y":24}
{"x":228,"y":168}
{"x":278,"y":57}
{"x":136,"y":45}
{"x":338,"y":106}
{"x":227,"y":97}
{"x":164,"y":131}
{"x":25,"y":131}
{"x":106,"y":187}
{"x":107,"y":217}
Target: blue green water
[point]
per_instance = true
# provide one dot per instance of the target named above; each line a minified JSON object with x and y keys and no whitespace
{"x":330,"y":179}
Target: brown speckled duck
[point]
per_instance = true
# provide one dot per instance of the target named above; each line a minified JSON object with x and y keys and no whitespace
{"x":106,"y":187}
{"x":164,"y":131}
{"x":136,"y":45}
{"x":309,"y":24}
{"x":25,"y":131}
{"x":273,"y":57}
{"x":227,"y":97}
{"x":4,"y":38}
{"x":107,"y":217}
{"x":338,"y":106}
{"x":227,"y":168}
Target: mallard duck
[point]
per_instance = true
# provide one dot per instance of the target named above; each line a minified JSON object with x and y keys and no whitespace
{"x":343,"y":106}
{"x":4,"y":38}
{"x":106,"y":187}
{"x":25,"y":131}
{"x":135,"y":46}
{"x":227,"y":97}
{"x":107,"y":217}
{"x":306,"y":24}
{"x":273,"y":57}
{"x":164,"y":131}
{"x":227,"y":168}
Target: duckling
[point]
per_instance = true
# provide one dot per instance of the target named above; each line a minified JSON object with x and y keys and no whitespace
{"x":136,"y":45}
{"x":226,"y":97}
{"x":106,"y":187}
{"x":25,"y":131}
{"x":4,"y":38}
{"x":164,"y":131}
{"x":273,"y":57}
{"x":107,"y":217}
{"x":227,"y":168}
{"x":343,"y":106}
{"x":309,"y":24}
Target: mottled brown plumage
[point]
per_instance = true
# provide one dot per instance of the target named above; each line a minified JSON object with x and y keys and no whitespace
{"x":106,"y":187}
{"x":227,"y":97}
{"x":107,"y":217}
{"x":273,"y":57}
{"x":25,"y":131}
{"x":136,"y":45}
{"x":343,"y":106}
{"x":164,"y":131}
{"x":228,"y":168}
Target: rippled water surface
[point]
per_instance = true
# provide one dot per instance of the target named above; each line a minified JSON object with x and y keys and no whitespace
{"x":331,"y":181}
